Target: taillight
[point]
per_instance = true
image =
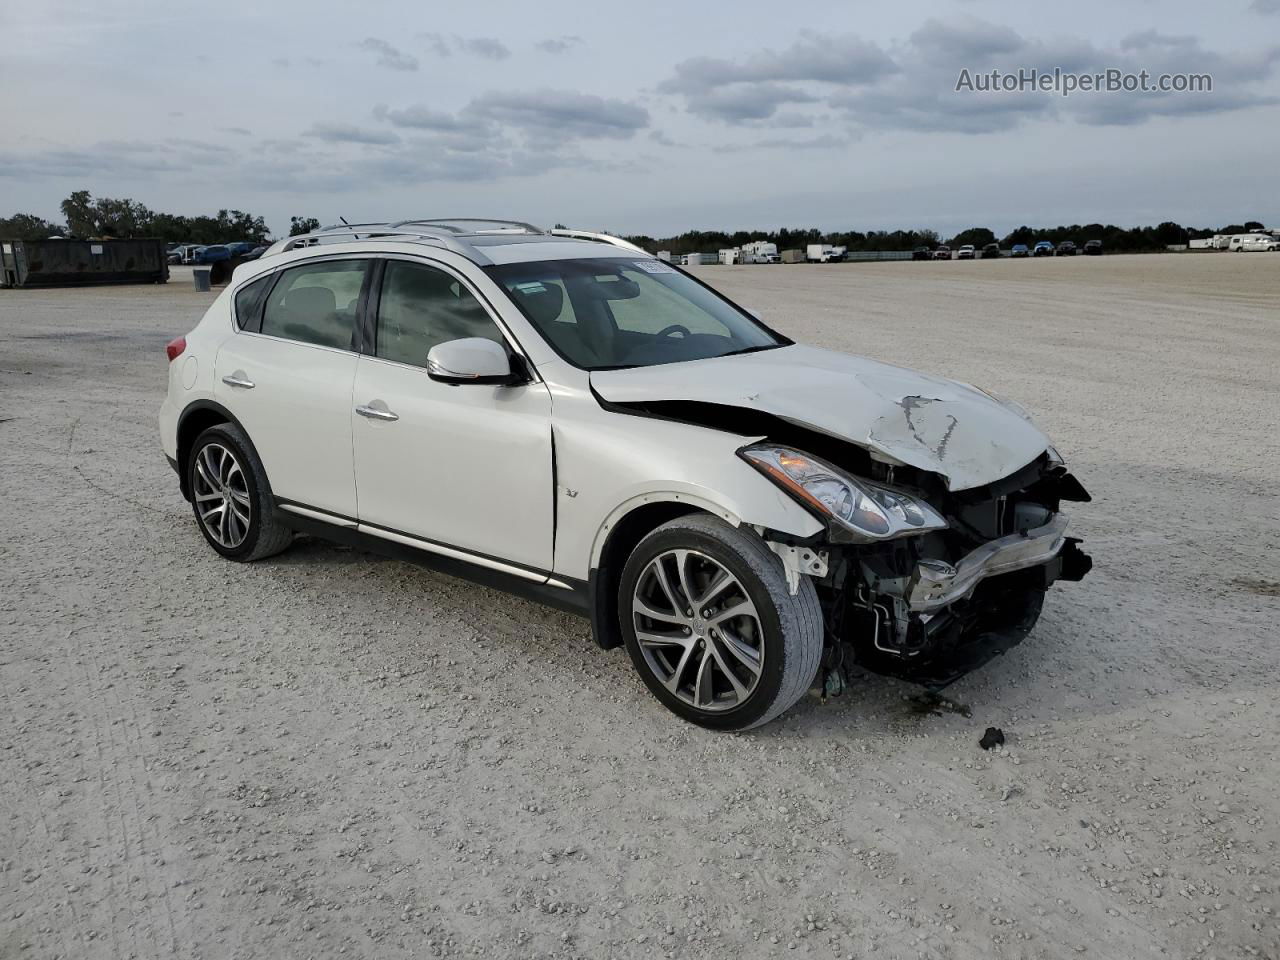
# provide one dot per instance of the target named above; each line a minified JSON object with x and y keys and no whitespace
{"x":174,"y":348}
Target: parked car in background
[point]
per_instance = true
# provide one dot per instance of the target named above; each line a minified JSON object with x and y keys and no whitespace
{"x":966,"y":252}
{"x":922,"y":253}
{"x":576,"y":410}
{"x":1260,"y":244}
{"x":943,"y":252}
{"x":991,"y":251}
{"x":1093,"y":248}
{"x":240,"y":248}
{"x":1019,"y":250}
{"x":255,"y":253}
{"x":1043,"y":249}
{"x":212,"y":254}
{"x":1066,"y":248}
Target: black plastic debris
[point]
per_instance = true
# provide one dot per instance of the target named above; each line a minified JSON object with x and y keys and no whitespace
{"x":994,"y":737}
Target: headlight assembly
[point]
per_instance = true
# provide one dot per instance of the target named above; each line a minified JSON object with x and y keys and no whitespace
{"x":866,"y":511}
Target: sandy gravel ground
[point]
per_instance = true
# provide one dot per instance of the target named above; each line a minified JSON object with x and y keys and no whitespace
{"x":330,"y":754}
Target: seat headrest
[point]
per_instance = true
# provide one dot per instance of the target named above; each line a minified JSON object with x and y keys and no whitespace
{"x":311,"y":300}
{"x":542,"y":301}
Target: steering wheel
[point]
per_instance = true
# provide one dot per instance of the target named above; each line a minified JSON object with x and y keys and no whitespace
{"x":673,"y":328}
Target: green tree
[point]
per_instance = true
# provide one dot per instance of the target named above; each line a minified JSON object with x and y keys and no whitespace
{"x":27,"y":226}
{"x":79,"y":214}
{"x":300,"y":225}
{"x":978,"y":236}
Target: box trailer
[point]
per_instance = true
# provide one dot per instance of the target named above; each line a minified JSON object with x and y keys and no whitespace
{"x":64,"y":263}
{"x":664,"y":256}
{"x":793,"y":256}
{"x":824,"y":253}
{"x":730,"y":255}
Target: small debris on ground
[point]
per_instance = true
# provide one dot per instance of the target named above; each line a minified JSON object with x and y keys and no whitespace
{"x":994,"y":737}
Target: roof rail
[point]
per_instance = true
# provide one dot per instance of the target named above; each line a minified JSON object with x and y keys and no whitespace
{"x":467,"y":226}
{"x":339,"y":233}
{"x":450,"y":233}
{"x":599,"y":237}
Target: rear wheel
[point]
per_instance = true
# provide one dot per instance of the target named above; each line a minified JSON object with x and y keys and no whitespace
{"x":712,"y":627}
{"x":231,"y":497}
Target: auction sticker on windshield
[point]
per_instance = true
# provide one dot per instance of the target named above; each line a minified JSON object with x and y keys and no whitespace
{"x":654,"y":266}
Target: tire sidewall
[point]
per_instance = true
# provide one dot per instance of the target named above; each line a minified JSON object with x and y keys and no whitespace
{"x":258,"y":495}
{"x":766,"y":690}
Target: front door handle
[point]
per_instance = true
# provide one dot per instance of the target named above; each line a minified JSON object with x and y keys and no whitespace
{"x":238,"y":379}
{"x":377,"y":413}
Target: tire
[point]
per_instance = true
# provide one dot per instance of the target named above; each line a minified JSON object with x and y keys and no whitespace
{"x":757,"y":664}
{"x":224,"y":469}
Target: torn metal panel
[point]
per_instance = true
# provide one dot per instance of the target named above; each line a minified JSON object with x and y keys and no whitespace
{"x":896,"y":414}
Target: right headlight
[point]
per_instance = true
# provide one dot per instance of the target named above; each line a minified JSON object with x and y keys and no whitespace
{"x":865,"y":510}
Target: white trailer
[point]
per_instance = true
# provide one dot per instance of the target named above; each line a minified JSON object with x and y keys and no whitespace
{"x":731,"y":255}
{"x":692,"y":260}
{"x":760,"y":251}
{"x":664,"y":255}
{"x":1238,"y":240}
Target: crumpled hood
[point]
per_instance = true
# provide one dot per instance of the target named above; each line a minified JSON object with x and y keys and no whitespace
{"x":928,"y":422}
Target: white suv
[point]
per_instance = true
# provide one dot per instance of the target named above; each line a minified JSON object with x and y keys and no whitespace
{"x":562,"y":415}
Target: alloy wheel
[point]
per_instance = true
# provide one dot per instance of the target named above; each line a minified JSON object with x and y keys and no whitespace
{"x":699,"y":630}
{"x":221,"y":492}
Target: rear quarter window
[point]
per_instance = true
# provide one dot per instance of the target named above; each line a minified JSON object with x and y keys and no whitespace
{"x":249,"y":303}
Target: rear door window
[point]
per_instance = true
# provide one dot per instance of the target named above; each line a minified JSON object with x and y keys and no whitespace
{"x":316,"y":303}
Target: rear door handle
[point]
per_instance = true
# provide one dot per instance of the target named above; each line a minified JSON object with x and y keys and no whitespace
{"x":238,"y":379}
{"x":376,"y":413}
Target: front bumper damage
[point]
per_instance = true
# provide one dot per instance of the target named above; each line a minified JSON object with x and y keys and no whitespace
{"x":939,"y":584}
{"x":932,"y":608}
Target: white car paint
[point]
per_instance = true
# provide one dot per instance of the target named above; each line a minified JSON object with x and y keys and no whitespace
{"x":908,"y":417}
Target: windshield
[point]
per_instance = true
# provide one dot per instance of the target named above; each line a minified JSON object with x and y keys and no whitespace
{"x":607,"y":313}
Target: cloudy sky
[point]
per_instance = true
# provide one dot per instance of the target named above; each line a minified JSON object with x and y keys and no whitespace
{"x":649,"y":118}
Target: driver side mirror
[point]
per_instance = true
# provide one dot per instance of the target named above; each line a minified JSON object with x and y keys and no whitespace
{"x":470,"y":360}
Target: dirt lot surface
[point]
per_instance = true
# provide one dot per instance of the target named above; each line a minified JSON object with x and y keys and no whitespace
{"x":331,"y":754}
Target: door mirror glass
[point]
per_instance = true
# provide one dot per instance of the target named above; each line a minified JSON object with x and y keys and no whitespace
{"x":469,"y":360}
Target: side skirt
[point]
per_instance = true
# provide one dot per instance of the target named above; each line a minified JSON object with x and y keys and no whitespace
{"x":573,"y":597}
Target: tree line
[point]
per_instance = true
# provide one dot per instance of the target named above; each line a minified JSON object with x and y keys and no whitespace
{"x":106,"y":217}
{"x":1115,"y":239}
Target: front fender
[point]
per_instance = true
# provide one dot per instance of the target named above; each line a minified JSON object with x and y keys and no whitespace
{"x":609,"y":465}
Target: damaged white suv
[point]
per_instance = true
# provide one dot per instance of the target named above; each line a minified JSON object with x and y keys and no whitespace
{"x":562,"y":415}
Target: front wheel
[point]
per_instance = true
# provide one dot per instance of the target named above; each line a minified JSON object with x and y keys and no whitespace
{"x":712,"y":627}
